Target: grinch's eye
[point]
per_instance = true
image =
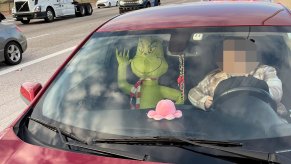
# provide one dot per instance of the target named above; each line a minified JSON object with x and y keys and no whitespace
{"x":152,"y":47}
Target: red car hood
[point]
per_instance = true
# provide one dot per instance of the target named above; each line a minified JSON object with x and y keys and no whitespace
{"x":13,"y":150}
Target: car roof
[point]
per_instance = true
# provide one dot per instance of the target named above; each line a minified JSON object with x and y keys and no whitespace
{"x":200,"y":14}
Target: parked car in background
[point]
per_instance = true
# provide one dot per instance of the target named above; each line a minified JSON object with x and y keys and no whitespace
{"x":123,"y":95}
{"x":12,"y":42}
{"x":129,"y":5}
{"x":106,"y":3}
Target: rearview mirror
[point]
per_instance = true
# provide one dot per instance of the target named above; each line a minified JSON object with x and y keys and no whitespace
{"x":29,"y":90}
{"x":179,"y":42}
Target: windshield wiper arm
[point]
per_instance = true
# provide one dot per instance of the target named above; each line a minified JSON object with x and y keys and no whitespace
{"x":85,"y":145}
{"x":255,"y":155}
{"x":163,"y":140}
{"x":55,"y":129}
{"x":224,"y":146}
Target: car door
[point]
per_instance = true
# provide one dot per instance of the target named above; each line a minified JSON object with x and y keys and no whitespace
{"x":152,"y":2}
{"x":2,"y":40}
{"x":58,"y":7}
{"x":69,"y":7}
{"x":114,"y":3}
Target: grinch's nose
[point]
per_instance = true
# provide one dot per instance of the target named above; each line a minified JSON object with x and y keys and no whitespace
{"x":145,"y":53}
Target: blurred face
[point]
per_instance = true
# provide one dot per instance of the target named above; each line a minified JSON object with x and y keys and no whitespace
{"x":239,"y":57}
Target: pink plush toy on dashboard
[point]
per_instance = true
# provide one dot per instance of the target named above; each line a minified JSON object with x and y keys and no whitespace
{"x":165,"y":109}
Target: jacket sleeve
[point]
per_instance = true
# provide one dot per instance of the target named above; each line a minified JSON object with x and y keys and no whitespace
{"x":274,"y":83}
{"x":198,"y":95}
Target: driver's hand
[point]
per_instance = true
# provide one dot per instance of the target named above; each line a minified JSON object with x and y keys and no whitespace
{"x":208,"y":102}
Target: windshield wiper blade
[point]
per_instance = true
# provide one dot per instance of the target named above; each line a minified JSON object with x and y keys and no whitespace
{"x":85,"y":145}
{"x":163,"y":140}
{"x":254,"y":155}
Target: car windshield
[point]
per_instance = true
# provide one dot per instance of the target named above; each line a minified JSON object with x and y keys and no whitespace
{"x":230,"y":83}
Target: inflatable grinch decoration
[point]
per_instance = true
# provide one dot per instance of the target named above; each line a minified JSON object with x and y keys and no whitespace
{"x":148,"y":64}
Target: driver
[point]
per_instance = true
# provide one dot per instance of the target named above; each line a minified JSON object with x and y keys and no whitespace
{"x":239,"y":59}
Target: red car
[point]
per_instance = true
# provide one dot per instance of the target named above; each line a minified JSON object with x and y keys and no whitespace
{"x":192,"y":83}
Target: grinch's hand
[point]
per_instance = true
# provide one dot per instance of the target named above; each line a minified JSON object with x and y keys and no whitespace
{"x":123,"y":57}
{"x":123,"y":62}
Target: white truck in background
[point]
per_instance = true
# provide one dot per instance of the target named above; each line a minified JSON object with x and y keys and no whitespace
{"x":25,"y":10}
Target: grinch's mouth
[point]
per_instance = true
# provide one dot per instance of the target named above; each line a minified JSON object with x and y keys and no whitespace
{"x":145,"y":67}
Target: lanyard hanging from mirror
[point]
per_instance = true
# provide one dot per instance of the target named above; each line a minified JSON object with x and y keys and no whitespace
{"x":180,"y":80}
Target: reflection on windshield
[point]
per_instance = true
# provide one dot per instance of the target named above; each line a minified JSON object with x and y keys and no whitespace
{"x":219,"y":84}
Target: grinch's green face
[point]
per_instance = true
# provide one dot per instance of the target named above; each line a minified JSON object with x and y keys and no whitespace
{"x":149,"y":61}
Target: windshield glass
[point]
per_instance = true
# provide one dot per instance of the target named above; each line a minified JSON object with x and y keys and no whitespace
{"x":211,"y":83}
